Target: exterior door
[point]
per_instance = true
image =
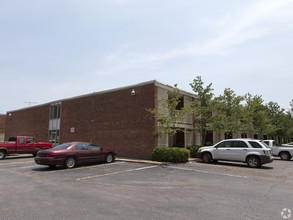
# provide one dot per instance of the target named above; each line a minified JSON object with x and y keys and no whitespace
{"x":223,"y":151}
{"x":21,"y":148}
{"x":82,"y":152}
{"x":239,"y":150}
{"x":97,"y":153}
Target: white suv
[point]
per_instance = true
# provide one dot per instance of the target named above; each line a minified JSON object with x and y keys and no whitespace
{"x":252,"y":152}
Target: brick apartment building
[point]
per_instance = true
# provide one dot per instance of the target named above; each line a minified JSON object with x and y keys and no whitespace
{"x":2,"y":126}
{"x":115,"y":119}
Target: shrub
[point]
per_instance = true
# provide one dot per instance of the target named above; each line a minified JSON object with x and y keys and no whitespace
{"x":193,"y":151}
{"x":167,"y":154}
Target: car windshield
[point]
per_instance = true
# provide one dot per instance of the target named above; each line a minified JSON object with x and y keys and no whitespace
{"x":264,"y":143}
{"x":61,"y":146}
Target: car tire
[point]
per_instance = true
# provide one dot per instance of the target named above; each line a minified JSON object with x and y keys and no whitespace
{"x":285,"y":156}
{"x":109,"y":158}
{"x":2,"y":154}
{"x":70,"y":163}
{"x":253,"y":162}
{"x":206,"y":157}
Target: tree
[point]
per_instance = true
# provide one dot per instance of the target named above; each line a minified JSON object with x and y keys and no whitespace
{"x":170,"y":116}
{"x":228,"y":112}
{"x":202,"y":107}
{"x":276,"y":115}
{"x":255,"y":118}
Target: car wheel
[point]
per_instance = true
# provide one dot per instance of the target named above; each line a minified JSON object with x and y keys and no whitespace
{"x":253,"y":162}
{"x":206,"y":158}
{"x":2,"y":154}
{"x":70,"y":163}
{"x":109,"y":158}
{"x":285,"y":156}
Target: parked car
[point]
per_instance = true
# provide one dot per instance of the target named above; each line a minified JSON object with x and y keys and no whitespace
{"x":21,"y":145}
{"x":253,"y":152}
{"x":71,"y":154}
{"x":284,"y":152}
{"x":288,"y":144}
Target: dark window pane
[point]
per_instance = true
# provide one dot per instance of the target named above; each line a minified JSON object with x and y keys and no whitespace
{"x":239,"y":144}
{"x":255,"y":144}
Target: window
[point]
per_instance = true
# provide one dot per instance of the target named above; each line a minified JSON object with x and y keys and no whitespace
{"x":224,"y":144}
{"x":21,"y":141}
{"x":180,"y":104}
{"x":54,"y":123}
{"x":255,"y":144}
{"x":61,"y":147}
{"x":30,"y":141}
{"x":81,"y":147}
{"x":243,"y":135}
{"x":94,"y":147}
{"x":239,"y":144}
{"x":55,"y":111}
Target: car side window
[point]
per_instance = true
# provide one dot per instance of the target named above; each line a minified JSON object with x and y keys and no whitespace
{"x":94,"y":147}
{"x":239,"y":144}
{"x":81,"y":147}
{"x":255,"y":144}
{"x":30,"y":141}
{"x":224,"y":144}
{"x":21,"y":141}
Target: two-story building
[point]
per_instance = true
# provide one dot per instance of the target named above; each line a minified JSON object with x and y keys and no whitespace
{"x":2,"y":126}
{"x":116,"y":119}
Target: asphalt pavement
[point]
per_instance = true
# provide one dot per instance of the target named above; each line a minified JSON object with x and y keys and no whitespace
{"x":129,"y":189}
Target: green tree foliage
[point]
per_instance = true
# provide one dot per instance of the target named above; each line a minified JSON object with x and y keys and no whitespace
{"x":169,"y":118}
{"x":256,"y":118}
{"x":202,"y":107}
{"x":276,"y":115}
{"x":228,"y":112}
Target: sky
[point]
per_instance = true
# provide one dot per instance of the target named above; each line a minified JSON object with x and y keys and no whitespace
{"x":56,"y":49}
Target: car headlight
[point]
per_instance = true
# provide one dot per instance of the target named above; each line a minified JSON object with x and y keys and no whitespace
{"x":199,"y":150}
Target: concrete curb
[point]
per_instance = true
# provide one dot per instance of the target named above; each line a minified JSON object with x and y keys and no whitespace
{"x":150,"y":161}
{"x":141,"y":161}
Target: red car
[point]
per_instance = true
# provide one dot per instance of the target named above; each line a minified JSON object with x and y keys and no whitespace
{"x":71,"y":154}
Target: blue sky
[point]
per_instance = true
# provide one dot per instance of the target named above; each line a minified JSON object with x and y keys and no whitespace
{"x":50,"y":50}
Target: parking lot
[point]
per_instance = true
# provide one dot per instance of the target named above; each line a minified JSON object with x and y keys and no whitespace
{"x":129,"y":190}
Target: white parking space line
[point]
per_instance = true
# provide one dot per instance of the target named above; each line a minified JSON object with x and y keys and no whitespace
{"x":15,"y":163}
{"x":118,"y":172}
{"x":208,"y":172}
{"x":79,"y":168}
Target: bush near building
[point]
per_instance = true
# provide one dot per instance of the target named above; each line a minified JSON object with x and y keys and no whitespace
{"x":167,"y":154}
{"x":193,"y":151}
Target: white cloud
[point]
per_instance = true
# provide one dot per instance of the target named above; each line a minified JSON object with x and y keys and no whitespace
{"x":253,"y":22}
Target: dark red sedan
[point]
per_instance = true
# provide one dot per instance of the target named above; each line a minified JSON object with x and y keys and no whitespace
{"x":71,"y":154}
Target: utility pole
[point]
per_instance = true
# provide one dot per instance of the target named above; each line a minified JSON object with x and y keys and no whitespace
{"x":29,"y":103}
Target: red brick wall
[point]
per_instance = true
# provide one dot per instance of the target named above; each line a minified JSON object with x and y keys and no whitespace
{"x":2,"y":123}
{"x":115,"y":120}
{"x":32,"y":121}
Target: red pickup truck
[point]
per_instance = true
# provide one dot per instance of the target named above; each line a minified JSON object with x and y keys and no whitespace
{"x":21,"y":145}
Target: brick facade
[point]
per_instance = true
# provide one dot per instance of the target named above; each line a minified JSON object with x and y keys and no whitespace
{"x":2,"y":126}
{"x":117,"y":120}
{"x":28,"y":122}
{"x":114,"y":119}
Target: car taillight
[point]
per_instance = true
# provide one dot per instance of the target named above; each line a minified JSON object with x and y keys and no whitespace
{"x":266,"y":152}
{"x":52,"y":155}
